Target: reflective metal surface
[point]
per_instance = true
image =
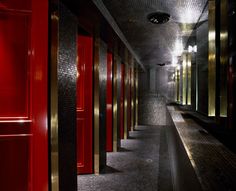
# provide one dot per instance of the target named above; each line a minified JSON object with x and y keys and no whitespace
{"x":189,"y":66}
{"x":54,"y":101}
{"x":184,"y":79}
{"x":211,"y":60}
{"x":126,"y":132}
{"x":96,"y":103}
{"x":224,"y":59}
{"x":115,"y":78}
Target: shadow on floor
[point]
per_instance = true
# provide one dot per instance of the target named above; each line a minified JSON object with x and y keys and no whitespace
{"x":121,"y":149}
{"x":110,"y":170}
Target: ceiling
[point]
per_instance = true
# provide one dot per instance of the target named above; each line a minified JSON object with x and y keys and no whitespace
{"x":156,"y":44}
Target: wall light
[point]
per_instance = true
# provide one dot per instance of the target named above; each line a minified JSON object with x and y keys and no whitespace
{"x":192,"y":48}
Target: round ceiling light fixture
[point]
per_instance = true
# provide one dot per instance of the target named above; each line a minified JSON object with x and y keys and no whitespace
{"x":158,"y":17}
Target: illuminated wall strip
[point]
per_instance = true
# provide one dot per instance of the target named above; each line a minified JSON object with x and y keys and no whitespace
{"x":184,"y":80}
{"x":177,"y":83}
{"x":223,"y":57}
{"x":54,"y":99}
{"x":125,"y":95}
{"x":211,"y":60}
{"x":189,"y":68}
{"x":136,"y":101}
{"x":96,"y":105}
{"x":115,"y":79}
{"x":132,"y":93}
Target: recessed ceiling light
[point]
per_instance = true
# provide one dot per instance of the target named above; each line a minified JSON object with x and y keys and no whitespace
{"x":158,"y":17}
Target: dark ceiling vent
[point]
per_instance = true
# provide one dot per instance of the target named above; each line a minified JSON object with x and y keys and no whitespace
{"x":158,"y":18}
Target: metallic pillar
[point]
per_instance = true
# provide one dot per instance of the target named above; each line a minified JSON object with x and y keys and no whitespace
{"x":115,"y":79}
{"x":189,"y":69}
{"x":184,"y":79}
{"x":126,"y":80}
{"x":223,"y":56}
{"x":136,"y":95}
{"x":96,"y":104}
{"x":211,"y":60}
{"x":54,"y":96}
{"x":132,"y":93}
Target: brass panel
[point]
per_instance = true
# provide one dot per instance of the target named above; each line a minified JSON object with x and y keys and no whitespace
{"x":125,"y":95}
{"x":132,"y":92}
{"x":211,"y":60}
{"x":115,"y":78}
{"x":223,"y":57}
{"x":184,"y":80}
{"x":96,"y":104}
{"x":54,"y":99}
{"x":136,"y":99}
{"x":189,"y":66}
{"x":177,"y":81}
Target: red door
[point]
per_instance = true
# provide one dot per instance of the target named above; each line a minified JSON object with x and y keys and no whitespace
{"x":85,"y":105}
{"x":122,"y":102}
{"x":23,"y":95}
{"x":109,"y":117}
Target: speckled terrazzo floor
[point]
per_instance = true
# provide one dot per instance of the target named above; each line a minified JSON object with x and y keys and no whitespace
{"x":136,"y":166}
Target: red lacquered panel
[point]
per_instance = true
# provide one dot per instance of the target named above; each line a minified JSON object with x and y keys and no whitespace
{"x":85,"y":105}
{"x":109,"y":116}
{"x":14,"y":64}
{"x":122,"y":102}
{"x":16,"y":4}
{"x":15,"y":162}
{"x":23,"y":97}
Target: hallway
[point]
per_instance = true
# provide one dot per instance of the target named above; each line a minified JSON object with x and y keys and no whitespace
{"x":140,"y":164}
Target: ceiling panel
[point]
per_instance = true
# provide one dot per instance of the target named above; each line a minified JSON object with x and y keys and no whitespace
{"x":156,"y":43}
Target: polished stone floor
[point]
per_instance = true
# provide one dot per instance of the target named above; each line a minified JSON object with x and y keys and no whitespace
{"x":141,"y":165}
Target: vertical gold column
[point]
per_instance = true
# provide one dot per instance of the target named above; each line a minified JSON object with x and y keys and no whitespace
{"x":211,"y":60}
{"x":125,"y":95}
{"x":96,"y":104}
{"x":189,"y":66}
{"x":132,"y":94}
{"x":177,"y":79}
{"x":223,"y":57}
{"x":54,"y":100}
{"x":184,"y":80}
{"x":115,"y":78}
{"x":136,"y":99}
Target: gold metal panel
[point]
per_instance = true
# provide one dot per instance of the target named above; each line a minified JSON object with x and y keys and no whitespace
{"x":184,"y":80}
{"x":189,"y":67}
{"x":132,"y":92}
{"x":177,"y":81}
{"x":211,"y":60}
{"x":54,"y":100}
{"x":115,"y":78}
{"x":223,"y":57}
{"x":136,"y":99}
{"x":96,"y":103}
{"x":126,"y":94}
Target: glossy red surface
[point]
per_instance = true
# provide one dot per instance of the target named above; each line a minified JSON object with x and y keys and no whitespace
{"x":85,"y":105}
{"x":23,"y":98}
{"x":109,"y":116}
{"x":122,"y":102}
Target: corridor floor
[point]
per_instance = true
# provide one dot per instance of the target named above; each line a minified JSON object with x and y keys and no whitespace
{"x":136,"y":166}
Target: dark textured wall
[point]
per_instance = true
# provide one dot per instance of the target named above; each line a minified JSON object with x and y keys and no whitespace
{"x":67,"y":100}
{"x":102,"y":99}
{"x":202,"y":65}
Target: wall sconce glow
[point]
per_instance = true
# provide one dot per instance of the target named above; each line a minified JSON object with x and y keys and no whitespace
{"x":192,"y":48}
